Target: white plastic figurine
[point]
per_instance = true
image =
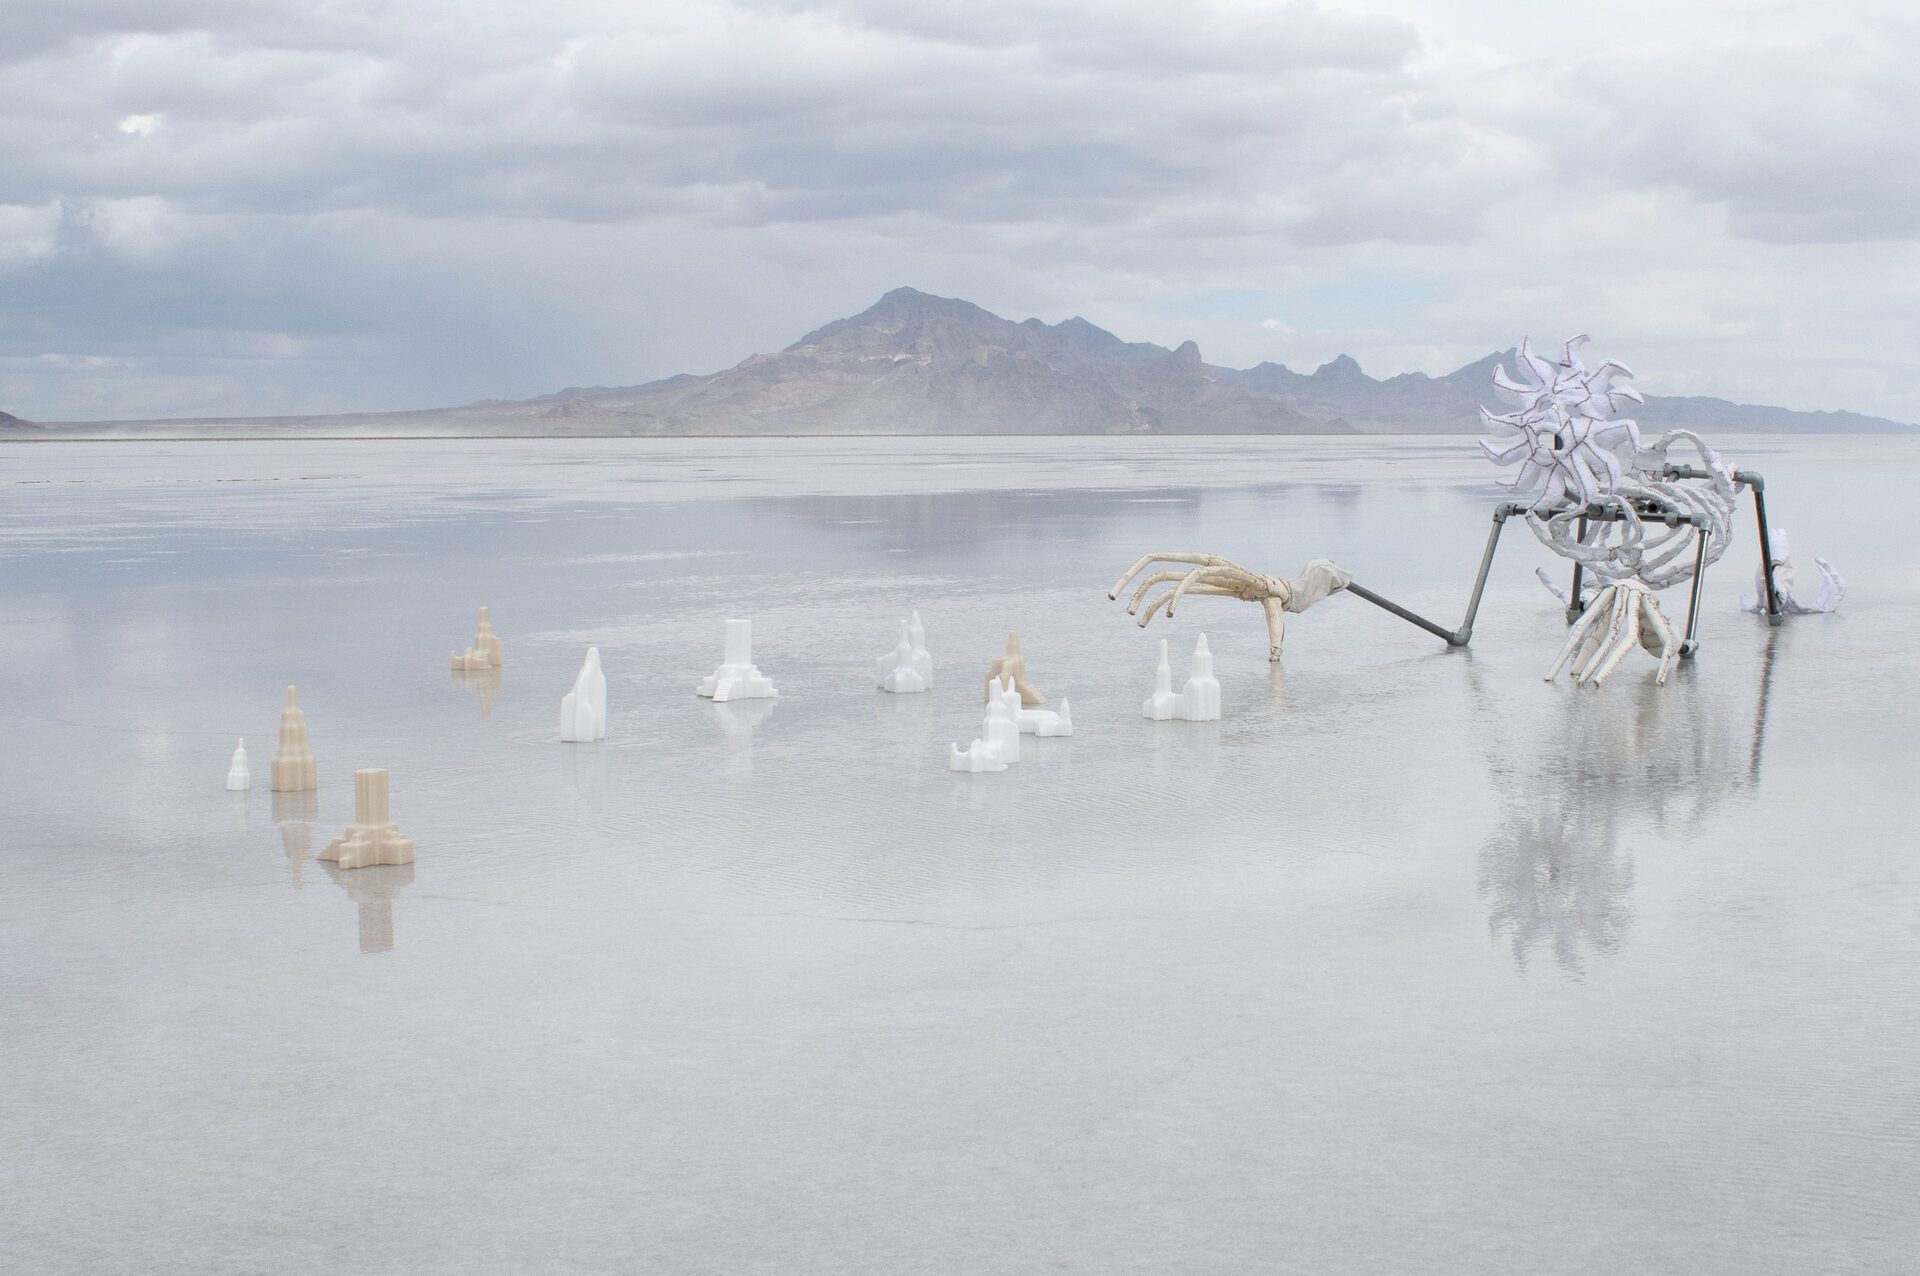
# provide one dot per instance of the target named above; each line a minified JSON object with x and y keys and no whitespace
{"x":908,"y":668}
{"x":736,"y":678}
{"x":976,"y":757}
{"x":999,"y":742}
{"x":1045,"y":721}
{"x":292,"y":769}
{"x":485,"y":652}
{"x":583,"y":711}
{"x":238,"y":778}
{"x":1197,"y":701}
{"x":371,"y":838}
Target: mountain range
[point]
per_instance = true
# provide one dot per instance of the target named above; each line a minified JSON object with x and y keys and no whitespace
{"x":917,"y":364}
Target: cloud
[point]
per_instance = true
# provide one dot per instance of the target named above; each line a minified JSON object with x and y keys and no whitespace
{"x":387,"y":203}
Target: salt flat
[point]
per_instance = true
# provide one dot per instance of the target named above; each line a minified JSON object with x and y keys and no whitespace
{"x":1413,"y":962}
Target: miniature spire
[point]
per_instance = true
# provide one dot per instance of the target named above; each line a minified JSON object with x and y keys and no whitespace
{"x":292,"y":770}
{"x":238,"y":778}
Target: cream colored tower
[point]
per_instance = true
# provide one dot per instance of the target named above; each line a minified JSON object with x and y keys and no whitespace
{"x":485,"y":652}
{"x":1013,"y":668}
{"x":371,"y":838}
{"x":293,"y":769}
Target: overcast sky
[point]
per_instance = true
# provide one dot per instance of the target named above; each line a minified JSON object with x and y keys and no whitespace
{"x":219,"y":207}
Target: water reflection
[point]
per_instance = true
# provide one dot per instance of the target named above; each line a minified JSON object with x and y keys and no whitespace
{"x":1557,"y":873}
{"x":738,"y":720}
{"x":374,"y":889}
{"x":585,"y":767}
{"x":484,"y":683}
{"x":295,"y":814}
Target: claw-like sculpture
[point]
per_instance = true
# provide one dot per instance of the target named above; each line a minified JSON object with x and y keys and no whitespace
{"x":1209,"y":576}
{"x":1622,"y":615}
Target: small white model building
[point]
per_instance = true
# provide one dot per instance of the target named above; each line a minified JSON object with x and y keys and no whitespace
{"x":583,"y":711}
{"x":999,"y":742}
{"x":371,"y":838}
{"x":292,"y":769}
{"x":736,"y":678}
{"x":908,"y":668}
{"x":238,"y":778}
{"x":485,"y":652}
{"x":976,"y":757}
{"x":1198,"y":701}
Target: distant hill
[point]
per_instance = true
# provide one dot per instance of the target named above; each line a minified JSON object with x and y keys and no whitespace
{"x":918,"y":364}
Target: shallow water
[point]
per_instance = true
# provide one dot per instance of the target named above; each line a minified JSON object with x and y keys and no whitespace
{"x":1414,"y":962}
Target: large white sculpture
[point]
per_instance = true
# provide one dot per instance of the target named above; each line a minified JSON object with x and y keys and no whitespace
{"x":1197,"y":701}
{"x":1575,"y":457}
{"x":583,"y":711}
{"x":1210,"y":576}
{"x":908,"y":668}
{"x":736,"y":678}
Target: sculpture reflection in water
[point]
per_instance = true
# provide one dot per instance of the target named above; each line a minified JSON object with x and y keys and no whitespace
{"x":484,"y":683}
{"x":294,"y":811}
{"x":374,"y":889}
{"x":1557,"y":873}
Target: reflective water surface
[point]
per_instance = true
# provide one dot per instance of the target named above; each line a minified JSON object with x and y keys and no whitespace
{"x":1413,"y":962}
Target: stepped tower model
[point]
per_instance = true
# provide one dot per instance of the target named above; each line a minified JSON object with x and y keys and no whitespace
{"x":736,"y":678}
{"x":293,"y":769}
{"x":371,"y":838}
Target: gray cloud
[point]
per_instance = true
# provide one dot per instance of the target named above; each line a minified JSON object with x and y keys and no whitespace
{"x":251,"y":207}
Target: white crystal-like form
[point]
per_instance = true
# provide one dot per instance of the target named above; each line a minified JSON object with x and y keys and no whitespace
{"x":908,"y":668}
{"x":583,"y":711}
{"x":736,"y":678}
{"x":292,"y":769}
{"x":485,"y":652}
{"x":238,"y":777}
{"x":976,"y":757}
{"x":1045,"y":722}
{"x":1197,"y":701}
{"x":371,"y":838}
